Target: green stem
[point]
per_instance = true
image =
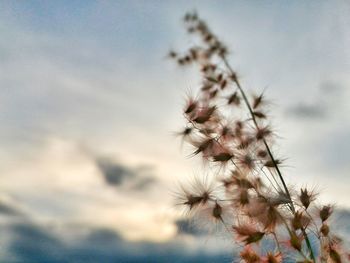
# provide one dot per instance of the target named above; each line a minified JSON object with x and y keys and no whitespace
{"x":308,"y":243}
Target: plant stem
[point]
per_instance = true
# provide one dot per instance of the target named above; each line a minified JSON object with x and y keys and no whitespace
{"x":277,"y":242}
{"x":264,"y":141}
{"x":291,"y":205}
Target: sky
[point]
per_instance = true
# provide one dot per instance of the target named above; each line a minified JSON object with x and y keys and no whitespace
{"x":89,"y":105}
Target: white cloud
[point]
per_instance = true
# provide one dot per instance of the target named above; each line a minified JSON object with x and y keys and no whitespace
{"x":61,"y":183}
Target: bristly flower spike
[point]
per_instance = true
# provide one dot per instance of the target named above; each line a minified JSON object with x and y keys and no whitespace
{"x":231,"y":131}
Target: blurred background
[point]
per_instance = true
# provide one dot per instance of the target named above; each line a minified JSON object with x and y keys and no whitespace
{"x":89,"y":105}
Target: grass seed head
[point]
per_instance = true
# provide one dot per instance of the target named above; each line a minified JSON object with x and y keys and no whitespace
{"x":272,"y":258}
{"x":325,"y":212}
{"x":306,"y":197}
{"x":249,"y":255}
{"x":248,"y":233}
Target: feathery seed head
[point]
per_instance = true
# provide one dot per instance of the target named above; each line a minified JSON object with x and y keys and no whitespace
{"x":263,"y":133}
{"x":272,"y":258}
{"x":190,"y":106}
{"x":324,"y":229}
{"x":306,"y":197}
{"x":234,"y":99}
{"x":172,"y":54}
{"x":222,"y":157}
{"x":249,"y":255}
{"x":217,"y":211}
{"x":248,"y":233}
{"x":257,"y":101}
{"x":204,"y":114}
{"x":300,"y":221}
{"x":262,"y":153}
{"x":334,"y":255}
{"x":295,"y":241}
{"x":325,"y":212}
{"x":197,"y":193}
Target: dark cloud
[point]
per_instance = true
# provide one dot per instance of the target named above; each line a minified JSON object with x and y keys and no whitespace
{"x":32,"y":243}
{"x":117,"y":174}
{"x":308,"y":111}
{"x":331,"y":89}
{"x":114,"y":173}
{"x":327,"y":97}
{"x":186,"y":226}
{"x":9,"y":210}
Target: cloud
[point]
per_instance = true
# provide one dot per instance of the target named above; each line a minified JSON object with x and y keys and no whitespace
{"x":327,"y":98}
{"x":144,"y":183}
{"x":132,"y":201}
{"x":309,"y":111}
{"x":113,"y":172}
{"x":117,"y":174}
{"x":31,"y":242}
{"x":9,"y":210}
{"x":34,"y":243}
{"x":187,"y":227}
{"x":317,"y":129}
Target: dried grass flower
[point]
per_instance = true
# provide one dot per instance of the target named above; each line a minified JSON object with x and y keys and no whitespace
{"x":250,"y":197}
